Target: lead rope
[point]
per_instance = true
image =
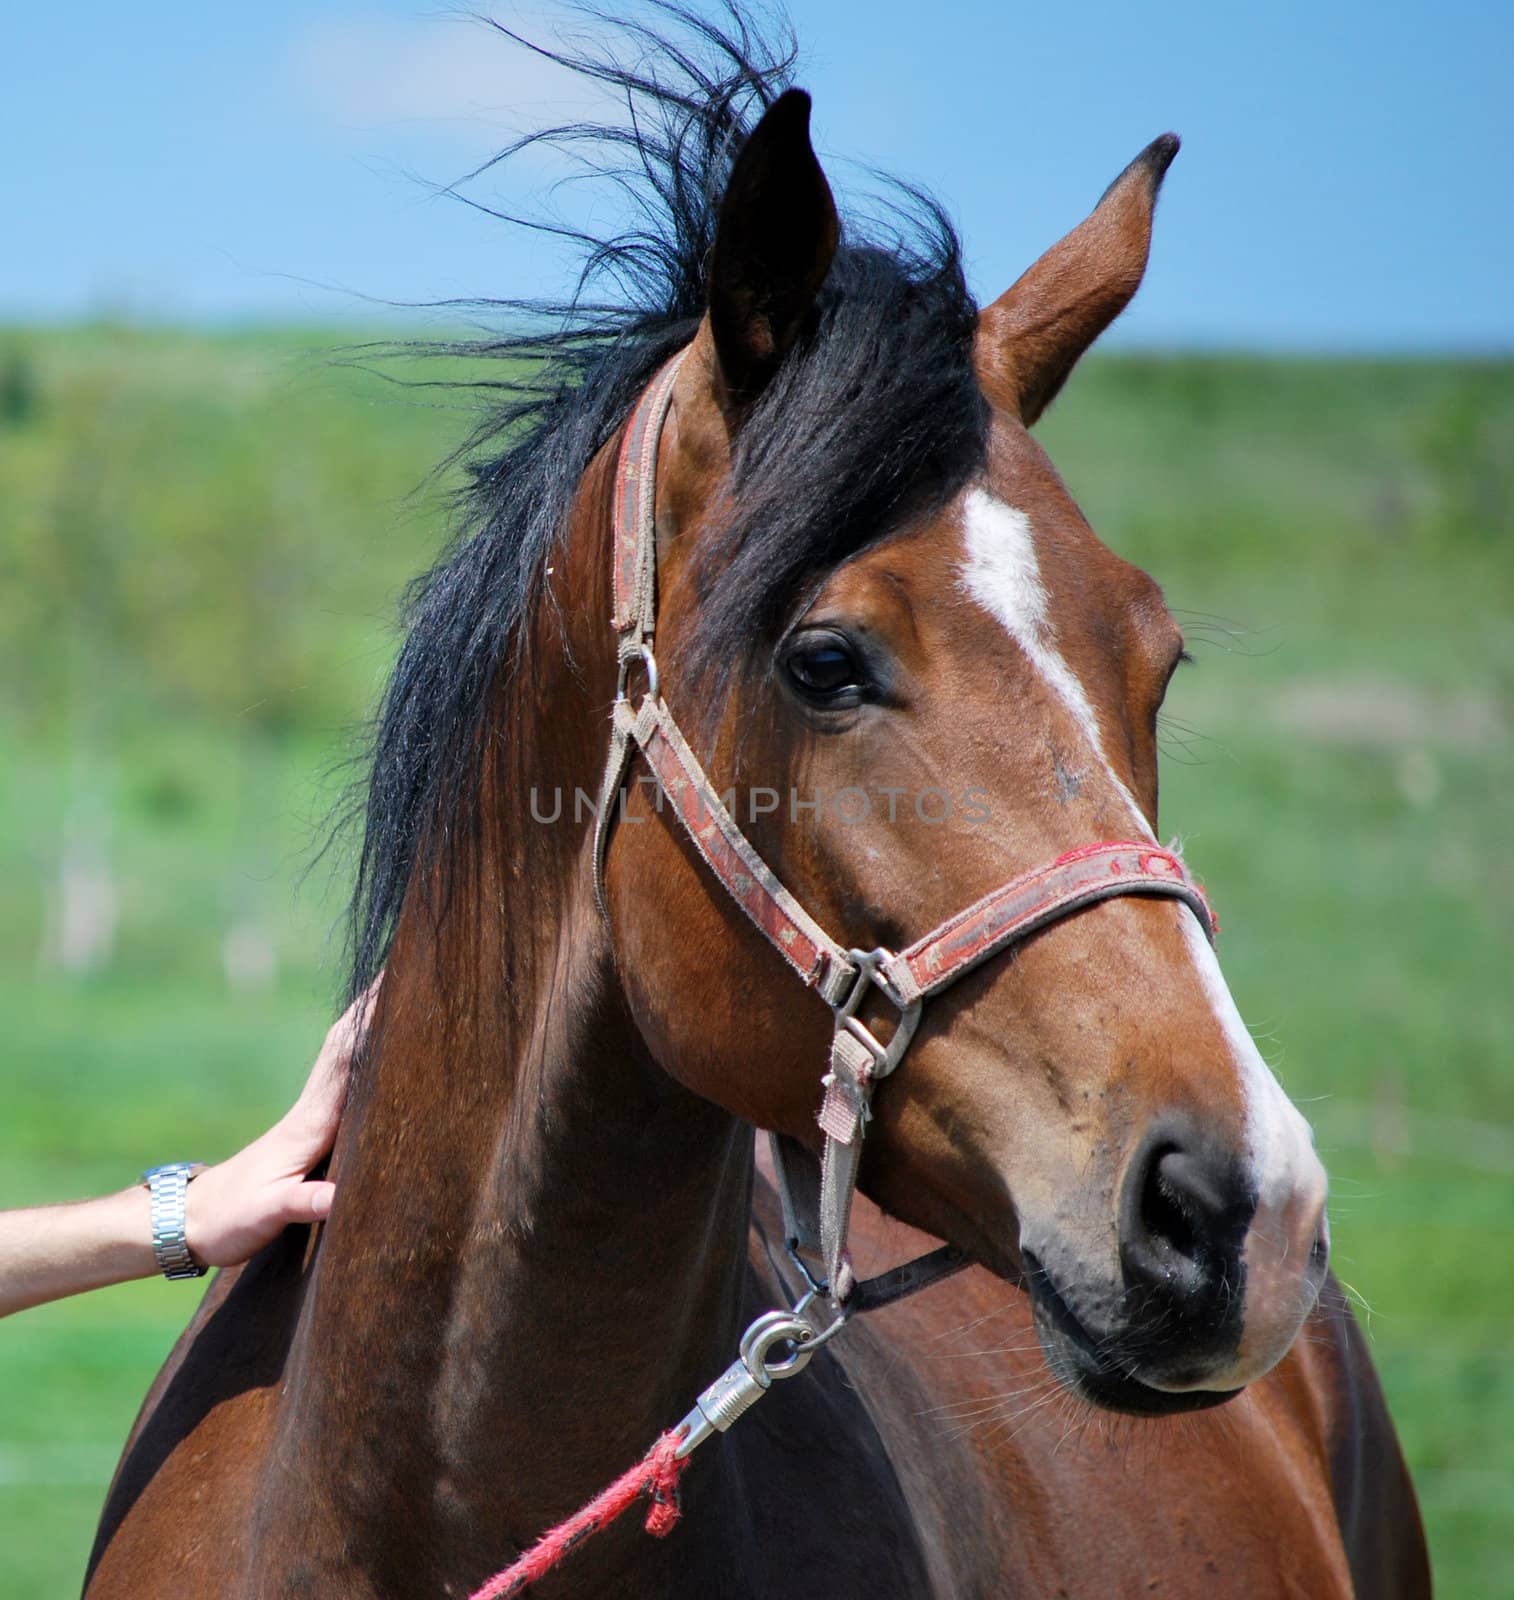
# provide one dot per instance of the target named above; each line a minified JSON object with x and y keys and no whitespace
{"x":778,"y":1344}
{"x":656,"y":1474}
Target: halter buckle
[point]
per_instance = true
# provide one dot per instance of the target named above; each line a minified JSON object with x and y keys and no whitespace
{"x":870,"y":965}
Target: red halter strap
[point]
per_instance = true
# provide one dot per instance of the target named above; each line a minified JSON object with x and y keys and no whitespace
{"x":842,"y":976}
{"x":1017,"y":909}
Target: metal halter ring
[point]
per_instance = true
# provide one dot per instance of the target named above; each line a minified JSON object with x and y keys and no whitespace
{"x":643,"y":654}
{"x":832,"y":1328}
{"x":870,"y":974}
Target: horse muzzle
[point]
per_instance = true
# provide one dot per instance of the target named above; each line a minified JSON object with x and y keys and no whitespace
{"x":1212,"y":1281}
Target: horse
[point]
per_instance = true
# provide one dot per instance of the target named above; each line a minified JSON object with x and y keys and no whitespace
{"x":857,"y":584}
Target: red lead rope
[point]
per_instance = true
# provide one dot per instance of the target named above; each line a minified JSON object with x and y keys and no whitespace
{"x":656,"y":1474}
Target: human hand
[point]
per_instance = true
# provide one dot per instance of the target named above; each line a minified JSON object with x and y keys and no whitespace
{"x":235,"y":1208}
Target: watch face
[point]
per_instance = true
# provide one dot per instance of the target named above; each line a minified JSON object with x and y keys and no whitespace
{"x":168,"y":1169}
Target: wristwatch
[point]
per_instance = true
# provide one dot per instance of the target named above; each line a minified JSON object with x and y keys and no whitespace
{"x":167,"y":1185}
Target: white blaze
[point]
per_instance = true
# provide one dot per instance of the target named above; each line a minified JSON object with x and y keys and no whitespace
{"x":1281,"y":1150}
{"x":1001,"y":574}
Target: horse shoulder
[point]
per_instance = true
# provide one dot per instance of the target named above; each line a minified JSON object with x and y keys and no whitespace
{"x":184,"y":1495}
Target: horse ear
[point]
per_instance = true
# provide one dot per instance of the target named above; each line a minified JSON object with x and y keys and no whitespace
{"x":1030,"y":338}
{"x":774,"y":240}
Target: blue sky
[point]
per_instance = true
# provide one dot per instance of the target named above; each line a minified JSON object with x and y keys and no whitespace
{"x":1346,"y":181}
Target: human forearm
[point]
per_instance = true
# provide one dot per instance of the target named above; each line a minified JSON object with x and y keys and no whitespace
{"x":231,"y":1210}
{"x":51,"y":1251}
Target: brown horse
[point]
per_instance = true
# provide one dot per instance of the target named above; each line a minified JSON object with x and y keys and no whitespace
{"x":550,"y":1227}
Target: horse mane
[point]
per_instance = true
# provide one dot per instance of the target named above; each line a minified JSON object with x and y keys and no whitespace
{"x":877,"y":414}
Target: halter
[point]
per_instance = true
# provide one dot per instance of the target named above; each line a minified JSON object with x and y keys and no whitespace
{"x":843,"y":977}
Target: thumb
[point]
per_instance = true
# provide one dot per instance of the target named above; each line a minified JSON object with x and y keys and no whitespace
{"x":300,"y":1201}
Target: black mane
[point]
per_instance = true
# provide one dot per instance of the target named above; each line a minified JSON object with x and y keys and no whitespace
{"x":877,"y":414}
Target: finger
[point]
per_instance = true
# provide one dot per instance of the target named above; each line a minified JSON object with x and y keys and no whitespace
{"x":342,"y":1038}
{"x":349,"y":1029}
{"x":304,"y":1202}
{"x":320,"y":1103}
{"x":353,"y":1022}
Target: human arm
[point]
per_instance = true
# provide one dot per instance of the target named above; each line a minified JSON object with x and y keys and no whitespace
{"x":231,"y":1210}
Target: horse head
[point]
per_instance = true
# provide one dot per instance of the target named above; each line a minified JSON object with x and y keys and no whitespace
{"x":891,"y":623}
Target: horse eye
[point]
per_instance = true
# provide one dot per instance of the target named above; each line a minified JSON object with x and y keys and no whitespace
{"x":823,"y":670}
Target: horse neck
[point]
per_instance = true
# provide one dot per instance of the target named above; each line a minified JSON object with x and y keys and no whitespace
{"x":539,"y":1238}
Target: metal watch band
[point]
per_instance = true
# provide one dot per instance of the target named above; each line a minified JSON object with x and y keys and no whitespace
{"x":167,"y":1186}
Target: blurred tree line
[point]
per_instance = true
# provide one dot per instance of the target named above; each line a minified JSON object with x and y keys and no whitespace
{"x":208,"y":534}
{"x":202,"y":534}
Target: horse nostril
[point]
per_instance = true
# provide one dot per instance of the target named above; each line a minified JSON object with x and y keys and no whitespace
{"x":1168,"y":1208}
{"x":1184,"y":1215}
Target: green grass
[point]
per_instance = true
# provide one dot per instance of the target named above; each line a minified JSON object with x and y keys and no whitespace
{"x":209,"y":535}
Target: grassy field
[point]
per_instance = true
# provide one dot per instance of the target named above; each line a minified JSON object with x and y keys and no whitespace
{"x":207,"y":536}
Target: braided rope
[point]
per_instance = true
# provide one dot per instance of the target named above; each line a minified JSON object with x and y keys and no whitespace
{"x":656,"y":1474}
